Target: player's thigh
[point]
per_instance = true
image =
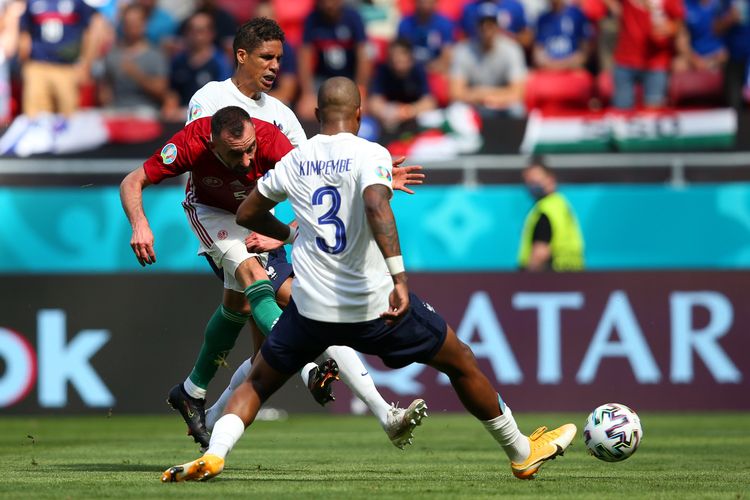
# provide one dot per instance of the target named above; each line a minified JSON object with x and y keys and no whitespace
{"x":454,"y":357}
{"x":294,"y":341}
{"x":37,"y":94}
{"x":416,"y":338}
{"x":284,"y":293}
{"x":67,"y":92}
{"x":223,"y":241}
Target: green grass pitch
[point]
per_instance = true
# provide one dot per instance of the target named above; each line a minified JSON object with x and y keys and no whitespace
{"x":703,"y":455}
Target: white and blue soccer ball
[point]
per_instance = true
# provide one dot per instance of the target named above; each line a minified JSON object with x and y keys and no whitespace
{"x":613,"y":432}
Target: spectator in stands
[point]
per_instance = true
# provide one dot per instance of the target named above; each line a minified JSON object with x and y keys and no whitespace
{"x":56,"y":50}
{"x":286,"y":86}
{"x":511,"y":17}
{"x":734,"y":25}
{"x":563,"y":38}
{"x":699,"y":47}
{"x":489,"y":72}
{"x":136,"y":73}
{"x":201,"y":62}
{"x":551,"y":239}
{"x":431,"y":35}
{"x":334,"y":37}
{"x":10,"y":16}
{"x":399,"y":91}
{"x":645,"y":48}
{"x":161,"y":26}
{"x":225,"y":25}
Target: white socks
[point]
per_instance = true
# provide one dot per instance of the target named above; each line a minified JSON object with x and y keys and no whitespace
{"x":505,"y":431}
{"x":214,"y":413}
{"x":354,"y":374}
{"x":193,"y":390}
{"x":227,"y":431}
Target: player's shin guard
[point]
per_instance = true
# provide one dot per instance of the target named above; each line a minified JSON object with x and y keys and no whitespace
{"x":217,"y":409}
{"x":354,"y":374}
{"x":262,"y":301}
{"x":227,"y":431}
{"x":505,"y":431}
{"x":221,"y":333}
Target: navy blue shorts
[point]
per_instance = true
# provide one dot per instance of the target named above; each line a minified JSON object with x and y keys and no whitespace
{"x":278,"y":268}
{"x":296,"y":340}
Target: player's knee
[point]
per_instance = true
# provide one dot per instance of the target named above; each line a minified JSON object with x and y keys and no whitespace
{"x":249,"y":271}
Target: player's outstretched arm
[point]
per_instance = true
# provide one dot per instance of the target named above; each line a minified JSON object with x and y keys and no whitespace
{"x":407,"y":175}
{"x":383,"y":226}
{"x":255,"y":214}
{"x":131,"y":197}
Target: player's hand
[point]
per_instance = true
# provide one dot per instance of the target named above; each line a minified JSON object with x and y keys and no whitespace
{"x":142,"y":243}
{"x":257,"y":243}
{"x":398,"y":303}
{"x":404,"y":176}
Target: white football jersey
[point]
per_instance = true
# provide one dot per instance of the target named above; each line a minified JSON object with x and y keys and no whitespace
{"x":340,"y":273}
{"x":216,"y":95}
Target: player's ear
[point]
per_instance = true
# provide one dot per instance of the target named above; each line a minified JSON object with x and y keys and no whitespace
{"x":317,"y":115}
{"x":240,"y":56}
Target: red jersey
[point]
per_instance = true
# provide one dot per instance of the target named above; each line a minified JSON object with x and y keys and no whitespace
{"x":211,"y":182}
{"x":637,"y":46}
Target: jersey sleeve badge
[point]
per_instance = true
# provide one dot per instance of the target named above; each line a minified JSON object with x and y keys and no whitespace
{"x":196,"y":111}
{"x":383,"y":173}
{"x":169,"y":153}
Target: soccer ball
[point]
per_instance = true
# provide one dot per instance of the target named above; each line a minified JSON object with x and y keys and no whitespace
{"x":613,"y":432}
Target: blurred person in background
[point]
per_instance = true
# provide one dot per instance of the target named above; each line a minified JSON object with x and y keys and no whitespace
{"x":511,"y":17}
{"x":645,"y":48}
{"x":224,"y":23}
{"x":161,"y":26}
{"x":10,"y":15}
{"x":698,"y":45}
{"x":286,"y":86}
{"x":399,"y":91}
{"x":563,"y":38}
{"x":734,"y":26}
{"x":489,"y":72}
{"x":200,"y":63}
{"x":334,"y":44}
{"x":136,"y":74}
{"x":551,"y":239}
{"x":431,"y":35}
{"x":56,"y":48}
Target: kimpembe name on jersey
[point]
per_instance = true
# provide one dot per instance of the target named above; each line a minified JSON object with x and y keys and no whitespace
{"x":325,"y":167}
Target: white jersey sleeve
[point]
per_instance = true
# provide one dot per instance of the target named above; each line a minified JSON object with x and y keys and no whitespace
{"x":216,"y":95}
{"x":377,"y":169}
{"x":271,"y":185}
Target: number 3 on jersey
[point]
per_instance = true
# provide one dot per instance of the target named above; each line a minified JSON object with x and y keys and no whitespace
{"x":330,"y":218}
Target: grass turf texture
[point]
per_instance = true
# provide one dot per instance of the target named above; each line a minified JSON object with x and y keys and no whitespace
{"x":316,"y":456}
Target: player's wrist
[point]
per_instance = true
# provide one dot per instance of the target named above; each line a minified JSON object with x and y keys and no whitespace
{"x":395,"y":265}
{"x":292,"y":235}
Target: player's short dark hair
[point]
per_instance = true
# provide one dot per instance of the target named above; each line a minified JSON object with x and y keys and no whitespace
{"x":253,"y":33}
{"x":231,"y":119}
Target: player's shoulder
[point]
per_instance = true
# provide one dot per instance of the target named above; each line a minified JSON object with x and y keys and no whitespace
{"x":211,"y":91}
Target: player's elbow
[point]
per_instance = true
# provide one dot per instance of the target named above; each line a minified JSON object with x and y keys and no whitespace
{"x":244,"y":218}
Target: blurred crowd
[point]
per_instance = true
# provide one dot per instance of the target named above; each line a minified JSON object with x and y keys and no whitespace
{"x":408,"y":56}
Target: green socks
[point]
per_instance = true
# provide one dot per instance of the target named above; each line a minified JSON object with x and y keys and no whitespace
{"x":221,"y":333}
{"x":262,"y":301}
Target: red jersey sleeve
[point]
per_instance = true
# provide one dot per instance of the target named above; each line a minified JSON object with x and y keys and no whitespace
{"x":273,"y":145}
{"x":176,"y":157}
